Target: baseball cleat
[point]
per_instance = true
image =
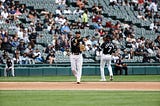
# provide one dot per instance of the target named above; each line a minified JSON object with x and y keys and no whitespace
{"x":102,"y":79}
{"x":111,"y":78}
{"x":78,"y":82}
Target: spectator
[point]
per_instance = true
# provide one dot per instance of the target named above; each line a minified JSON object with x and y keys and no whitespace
{"x":126,"y":55}
{"x":50,"y":58}
{"x":140,"y":16}
{"x":113,"y":2}
{"x":58,"y":11}
{"x":153,"y":6}
{"x":65,"y":28}
{"x":29,"y":51}
{"x":78,"y":11}
{"x":115,"y":57}
{"x":66,"y":52}
{"x":4,"y":14}
{"x":1,"y":60}
{"x":146,"y":58}
{"x":60,"y":2}
{"x":157,"y":41}
{"x":17,"y":58}
{"x":15,"y":42}
{"x":67,"y":11}
{"x":37,"y":56}
{"x":140,"y":51}
{"x":85,"y":18}
{"x":24,"y":59}
{"x":158,"y":56}
{"x":80,"y":4}
{"x":22,"y":9}
{"x":6,"y":45}
{"x":21,"y":47}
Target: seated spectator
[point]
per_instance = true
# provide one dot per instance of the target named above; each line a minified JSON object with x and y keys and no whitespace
{"x":1,"y":60}
{"x":67,"y":11}
{"x":29,"y":51}
{"x":58,"y":11}
{"x":113,"y":2}
{"x":109,"y":24}
{"x":78,"y":11}
{"x":37,"y":56}
{"x":140,"y":16}
{"x":39,"y":27}
{"x":129,"y":40}
{"x":149,"y":51}
{"x":146,"y":58}
{"x":50,"y":58}
{"x":80,"y":4}
{"x":21,"y":47}
{"x":60,"y":2}
{"x":156,"y":16}
{"x":85,"y":19}
{"x":120,"y":66}
{"x":97,"y":8}
{"x":65,"y":28}
{"x":94,"y":8}
{"x":158,"y":56}
{"x":16,"y":58}
{"x":140,"y":51}
{"x":15,"y":42}
{"x":24,"y":59}
{"x":126,"y":55}
{"x":115,"y":57}
{"x":60,"y":19}
{"x":22,"y":9}
{"x":4,"y":14}
{"x":97,"y":18}
{"x":157,"y":41}
{"x":17,"y":13}
{"x":6,"y":45}
{"x":66,"y":52}
{"x":153,"y":26}
{"x":98,"y":26}
{"x":153,"y":6}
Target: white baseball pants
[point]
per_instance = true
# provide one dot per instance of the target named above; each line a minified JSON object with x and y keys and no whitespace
{"x":105,"y":59}
{"x":76,"y":65}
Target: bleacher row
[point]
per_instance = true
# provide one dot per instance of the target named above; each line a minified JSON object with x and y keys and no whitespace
{"x":110,"y":13}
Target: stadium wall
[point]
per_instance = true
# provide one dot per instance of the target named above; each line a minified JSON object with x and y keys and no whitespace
{"x":88,"y":69}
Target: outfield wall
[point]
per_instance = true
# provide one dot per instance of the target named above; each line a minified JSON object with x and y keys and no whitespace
{"x":88,"y":69}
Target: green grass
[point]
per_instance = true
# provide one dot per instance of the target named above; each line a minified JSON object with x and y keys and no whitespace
{"x":79,"y":98}
{"x":129,"y":78}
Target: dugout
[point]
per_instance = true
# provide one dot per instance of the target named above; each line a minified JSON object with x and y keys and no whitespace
{"x":88,"y":69}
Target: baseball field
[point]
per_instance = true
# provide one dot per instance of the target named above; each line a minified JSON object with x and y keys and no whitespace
{"x":131,"y":90}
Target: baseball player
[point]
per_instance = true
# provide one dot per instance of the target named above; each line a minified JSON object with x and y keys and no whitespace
{"x":76,"y":59}
{"x":107,"y":48}
{"x":9,"y":67}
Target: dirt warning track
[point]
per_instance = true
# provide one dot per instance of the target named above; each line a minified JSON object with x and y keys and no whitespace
{"x":144,"y":86}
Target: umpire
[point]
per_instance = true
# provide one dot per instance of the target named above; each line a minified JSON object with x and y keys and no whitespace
{"x":76,"y":59}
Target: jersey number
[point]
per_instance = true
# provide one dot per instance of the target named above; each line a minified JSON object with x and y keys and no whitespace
{"x":110,"y":48}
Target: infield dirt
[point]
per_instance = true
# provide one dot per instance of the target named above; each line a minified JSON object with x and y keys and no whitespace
{"x":142,"y":86}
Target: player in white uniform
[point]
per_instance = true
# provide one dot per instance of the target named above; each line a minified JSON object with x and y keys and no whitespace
{"x":76,"y":56}
{"x":107,"y":48}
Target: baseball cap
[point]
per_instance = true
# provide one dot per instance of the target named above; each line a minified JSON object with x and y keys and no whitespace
{"x":78,"y":32}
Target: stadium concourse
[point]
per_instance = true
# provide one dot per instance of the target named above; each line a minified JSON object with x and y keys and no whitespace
{"x":38,"y":31}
